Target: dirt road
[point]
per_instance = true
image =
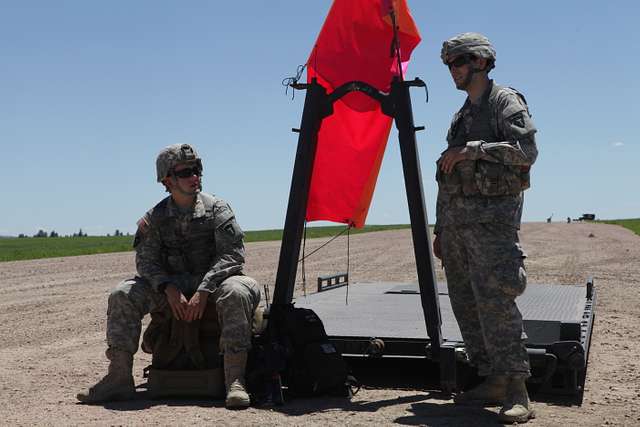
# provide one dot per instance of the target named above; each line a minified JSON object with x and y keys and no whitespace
{"x":52,"y":326}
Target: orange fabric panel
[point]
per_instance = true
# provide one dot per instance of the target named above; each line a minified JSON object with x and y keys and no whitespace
{"x":354,"y":44}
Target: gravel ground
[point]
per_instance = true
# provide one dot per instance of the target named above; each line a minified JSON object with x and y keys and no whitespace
{"x":52,"y":326}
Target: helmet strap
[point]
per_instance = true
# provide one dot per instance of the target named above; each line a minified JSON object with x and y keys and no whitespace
{"x":472,"y":71}
{"x":467,"y":80}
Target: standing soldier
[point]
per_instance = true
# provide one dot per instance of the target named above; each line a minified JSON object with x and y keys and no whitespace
{"x":481,"y":177}
{"x":189,"y":252}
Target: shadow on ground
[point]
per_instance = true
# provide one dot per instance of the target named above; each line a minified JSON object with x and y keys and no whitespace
{"x":426,"y":404}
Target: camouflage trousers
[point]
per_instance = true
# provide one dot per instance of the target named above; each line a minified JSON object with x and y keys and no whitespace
{"x":236,"y":299}
{"x":485,"y":273}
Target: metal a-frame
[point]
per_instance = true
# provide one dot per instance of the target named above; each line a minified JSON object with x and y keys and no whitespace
{"x":396,"y":104}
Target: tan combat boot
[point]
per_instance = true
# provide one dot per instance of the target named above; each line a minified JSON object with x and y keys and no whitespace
{"x":491,"y":392}
{"x":117,"y":384}
{"x":517,"y":408}
{"x":234,"y":369}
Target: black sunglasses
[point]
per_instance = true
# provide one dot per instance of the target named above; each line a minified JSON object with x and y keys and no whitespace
{"x":188,"y":172}
{"x":460,"y":61}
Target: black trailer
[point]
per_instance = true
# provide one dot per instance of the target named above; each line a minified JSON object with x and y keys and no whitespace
{"x":385,"y":320}
{"x":409,"y":321}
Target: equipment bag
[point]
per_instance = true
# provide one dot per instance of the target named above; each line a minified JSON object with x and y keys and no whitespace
{"x":185,"y":357}
{"x":315,"y":367}
{"x":180,"y":345}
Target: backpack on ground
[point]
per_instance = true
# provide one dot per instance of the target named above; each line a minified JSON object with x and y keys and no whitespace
{"x":295,"y":345}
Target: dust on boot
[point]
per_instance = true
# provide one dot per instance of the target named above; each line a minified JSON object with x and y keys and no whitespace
{"x":117,"y":384}
{"x":234,"y":378}
{"x":517,"y":407}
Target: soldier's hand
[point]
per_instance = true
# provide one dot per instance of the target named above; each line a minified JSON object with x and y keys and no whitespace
{"x":197,"y":305}
{"x":436,"y":247}
{"x":177,"y":302}
{"x":451,"y":157}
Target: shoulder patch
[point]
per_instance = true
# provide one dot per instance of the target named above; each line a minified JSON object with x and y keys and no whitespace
{"x":512,"y":104}
{"x":230,"y":229}
{"x":222,"y":216}
{"x":143,"y":224}
{"x":143,"y":227}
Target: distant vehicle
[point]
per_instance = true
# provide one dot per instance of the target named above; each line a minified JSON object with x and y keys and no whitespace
{"x":586,"y":217}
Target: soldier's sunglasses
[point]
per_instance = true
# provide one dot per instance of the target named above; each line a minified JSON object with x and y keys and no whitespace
{"x":188,"y":172}
{"x":460,"y":61}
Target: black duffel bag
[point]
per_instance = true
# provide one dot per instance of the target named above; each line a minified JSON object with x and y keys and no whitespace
{"x":296,"y":346}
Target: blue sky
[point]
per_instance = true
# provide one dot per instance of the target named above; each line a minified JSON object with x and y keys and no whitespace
{"x":90,"y":91}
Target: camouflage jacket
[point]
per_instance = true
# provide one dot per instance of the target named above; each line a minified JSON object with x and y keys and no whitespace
{"x":201,"y":247}
{"x":500,"y":137}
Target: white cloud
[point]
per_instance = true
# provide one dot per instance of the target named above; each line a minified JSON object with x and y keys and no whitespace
{"x":617,"y":143}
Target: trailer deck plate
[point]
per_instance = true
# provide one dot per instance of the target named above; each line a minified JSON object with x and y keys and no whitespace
{"x":558,"y":320}
{"x":393,"y":310}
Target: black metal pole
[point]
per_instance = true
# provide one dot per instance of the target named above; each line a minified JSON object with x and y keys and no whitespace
{"x":419,"y":226}
{"x":315,"y":106}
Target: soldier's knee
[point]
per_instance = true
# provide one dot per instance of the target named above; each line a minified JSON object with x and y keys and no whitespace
{"x":240,"y":287}
{"x":122,"y":293}
{"x":121,"y":290}
{"x":509,"y":277}
{"x":230,"y":288}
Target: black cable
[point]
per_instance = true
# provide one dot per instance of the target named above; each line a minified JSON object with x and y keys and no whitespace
{"x":396,"y":42}
{"x":323,"y":245}
{"x":290,"y":81}
{"x":346,"y":299}
{"x":304,"y":276}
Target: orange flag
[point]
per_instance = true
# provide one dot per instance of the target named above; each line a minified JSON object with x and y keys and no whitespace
{"x":355,"y":43}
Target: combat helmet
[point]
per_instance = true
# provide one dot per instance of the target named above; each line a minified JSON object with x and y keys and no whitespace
{"x":173,"y":155}
{"x":470,"y":44}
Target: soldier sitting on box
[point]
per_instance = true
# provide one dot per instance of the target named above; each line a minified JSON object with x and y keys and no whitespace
{"x":188,"y":244}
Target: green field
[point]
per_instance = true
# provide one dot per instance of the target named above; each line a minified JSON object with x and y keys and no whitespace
{"x":13,"y":249}
{"x":631,"y":224}
{"x":48,"y":247}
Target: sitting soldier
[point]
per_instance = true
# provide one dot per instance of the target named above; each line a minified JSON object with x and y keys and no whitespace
{"x":189,"y":252}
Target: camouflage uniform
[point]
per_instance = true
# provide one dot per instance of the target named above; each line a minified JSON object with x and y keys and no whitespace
{"x":478,"y":214}
{"x":197,"y":250}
